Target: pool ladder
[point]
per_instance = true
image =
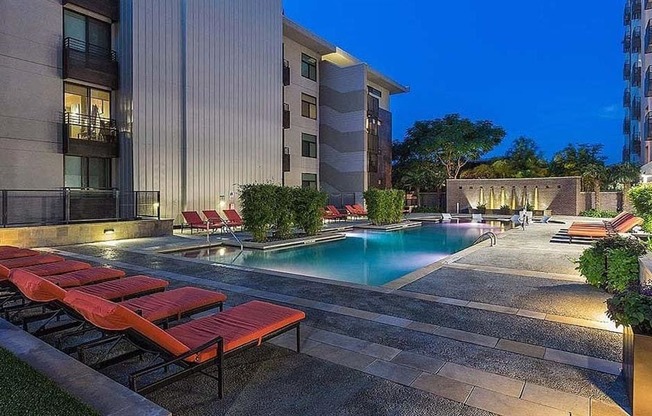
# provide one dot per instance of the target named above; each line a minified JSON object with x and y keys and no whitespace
{"x":488,"y":235}
{"x":230,"y":230}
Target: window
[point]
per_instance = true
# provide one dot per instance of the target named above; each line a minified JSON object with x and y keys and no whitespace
{"x":309,"y":180}
{"x":87,"y":30}
{"x":373,"y":91}
{"x":87,"y":172}
{"x":308,"y":67}
{"x":309,"y":106}
{"x":308,"y":145}
{"x":88,"y":111}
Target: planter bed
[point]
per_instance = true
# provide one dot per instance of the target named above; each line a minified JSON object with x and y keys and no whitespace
{"x":390,"y":227}
{"x":281,"y":244}
{"x":637,"y":369}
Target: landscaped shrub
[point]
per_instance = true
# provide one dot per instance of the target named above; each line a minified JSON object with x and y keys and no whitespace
{"x":384,"y":206}
{"x":596,"y":213}
{"x":284,"y":218}
{"x":258,"y":209}
{"x":612,"y":263}
{"x":632,"y":307}
{"x":308,"y":205}
{"x":505,"y":210}
{"x":480,"y":209}
{"x":641,"y":199}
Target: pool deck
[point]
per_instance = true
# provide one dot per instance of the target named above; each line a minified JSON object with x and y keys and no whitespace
{"x":509,"y":330}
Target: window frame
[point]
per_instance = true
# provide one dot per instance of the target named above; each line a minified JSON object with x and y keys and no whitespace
{"x":307,"y":107}
{"x":309,"y":145}
{"x":305,"y":181}
{"x":308,"y":67}
{"x":85,"y":171}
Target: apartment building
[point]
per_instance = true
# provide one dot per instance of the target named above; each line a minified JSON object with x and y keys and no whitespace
{"x":190,"y":98}
{"x":637,"y":74}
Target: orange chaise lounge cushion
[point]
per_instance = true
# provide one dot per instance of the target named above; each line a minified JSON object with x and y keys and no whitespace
{"x":237,"y":326}
{"x":122,"y":289}
{"x":51,"y":269}
{"x":26,"y":262}
{"x":86,"y":277}
{"x":173,"y":302}
{"x":9,"y":252}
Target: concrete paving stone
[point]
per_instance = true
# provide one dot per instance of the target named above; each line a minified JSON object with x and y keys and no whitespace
{"x":338,"y":340}
{"x":393,"y":320}
{"x":531,"y":314}
{"x":509,"y":406}
{"x":444,"y":387}
{"x":521,"y":348}
{"x":493,"y":308}
{"x":577,"y":405}
{"x":578,"y":360}
{"x":599,"y":408}
{"x":382,"y":352}
{"x":489,"y":381}
{"x":424,"y":327}
{"x":355,"y":312}
{"x":340,"y":356}
{"x":451,"y":301}
{"x":418,"y":361}
{"x":393,"y":372}
{"x":471,"y":337}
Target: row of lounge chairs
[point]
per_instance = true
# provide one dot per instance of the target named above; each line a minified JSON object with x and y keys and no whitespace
{"x":137,"y":309}
{"x":213,"y":221}
{"x":354,"y":211}
{"x":622,"y":223}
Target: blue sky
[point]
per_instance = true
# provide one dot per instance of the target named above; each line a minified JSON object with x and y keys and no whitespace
{"x":550,"y":70}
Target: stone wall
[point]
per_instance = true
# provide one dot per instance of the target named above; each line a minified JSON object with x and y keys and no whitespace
{"x":609,"y":201}
{"x":61,"y":235}
{"x":561,"y":195}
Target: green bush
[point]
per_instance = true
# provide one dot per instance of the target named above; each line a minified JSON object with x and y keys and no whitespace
{"x":308,"y":209}
{"x":595,"y":213}
{"x":384,"y":206}
{"x":258,"y":210}
{"x":505,"y":210}
{"x":283,"y":204}
{"x":480,"y":209}
{"x":641,"y":199}
{"x":632,"y":307}
{"x":611,"y":263}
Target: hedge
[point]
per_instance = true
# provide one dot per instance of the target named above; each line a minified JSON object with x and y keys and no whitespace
{"x":384,"y":206}
{"x":641,"y":199}
{"x":267,"y":207}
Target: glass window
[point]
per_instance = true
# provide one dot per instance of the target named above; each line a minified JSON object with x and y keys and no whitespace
{"x":85,"y":172}
{"x":89,"y":111}
{"x":308,"y":106}
{"x":374,"y":91}
{"x":99,"y":34}
{"x":73,"y":172}
{"x":99,"y":173}
{"x":308,"y":145}
{"x":74,"y":25}
{"x":309,"y":180}
{"x":86,"y":29}
{"x":308,"y":67}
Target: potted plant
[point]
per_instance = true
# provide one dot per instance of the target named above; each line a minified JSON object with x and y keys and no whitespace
{"x":480,"y":209}
{"x":632,"y":308}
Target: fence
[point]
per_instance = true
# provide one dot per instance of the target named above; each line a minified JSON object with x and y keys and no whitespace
{"x":70,"y":205}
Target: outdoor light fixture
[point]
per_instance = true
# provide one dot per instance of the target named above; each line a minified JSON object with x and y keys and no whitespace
{"x":109,"y":231}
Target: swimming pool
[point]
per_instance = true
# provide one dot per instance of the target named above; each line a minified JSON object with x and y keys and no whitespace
{"x":366,"y":257}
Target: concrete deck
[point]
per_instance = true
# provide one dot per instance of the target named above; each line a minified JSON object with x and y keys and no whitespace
{"x":508,"y":330}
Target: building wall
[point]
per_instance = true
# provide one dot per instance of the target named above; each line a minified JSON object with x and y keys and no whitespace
{"x":609,"y":201}
{"x":299,"y":124}
{"x":561,"y":195}
{"x":207,"y":87}
{"x":343,"y":163}
{"x":31,"y":94}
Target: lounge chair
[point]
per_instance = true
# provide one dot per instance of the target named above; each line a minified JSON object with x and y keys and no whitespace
{"x":20,"y":262}
{"x":360,"y":210}
{"x":602,"y":232}
{"x":48,"y":269}
{"x":195,"y":222}
{"x":476,"y":218}
{"x":160,"y":307}
{"x":8,"y":252}
{"x":445,"y":217}
{"x":353,"y":211}
{"x":233,"y":218}
{"x":213,"y":217}
{"x":613,"y":222}
{"x":332,"y":213}
{"x":85,"y":277}
{"x":195,"y":345}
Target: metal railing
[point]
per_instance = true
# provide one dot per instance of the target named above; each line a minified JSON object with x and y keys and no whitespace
{"x":92,"y":51}
{"x":87,"y":127}
{"x":23,"y":207}
{"x":486,"y":236}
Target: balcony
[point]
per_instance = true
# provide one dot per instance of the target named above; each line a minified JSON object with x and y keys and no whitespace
{"x":636,"y":76}
{"x":648,"y":126}
{"x":636,"y":109}
{"x":627,"y":70}
{"x":636,"y":143}
{"x":627,"y":126}
{"x":89,"y":136}
{"x":286,"y":72}
{"x":627,"y":43}
{"x":108,"y":8}
{"x":286,"y":116}
{"x":286,"y":159}
{"x":637,"y":5}
{"x":648,"y":37}
{"x":627,"y":98}
{"x":89,"y":63}
{"x":636,"y":40}
{"x":373,"y":106}
{"x":373,"y":144}
{"x":627,"y":15}
{"x":372,"y":166}
{"x":648,"y":82}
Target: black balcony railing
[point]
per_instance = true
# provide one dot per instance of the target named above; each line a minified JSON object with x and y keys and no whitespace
{"x":286,"y":72}
{"x":90,"y":63}
{"x":647,"y":132}
{"x":627,"y":43}
{"x":627,"y":15}
{"x":637,"y":5}
{"x":627,"y":126}
{"x":636,"y":40}
{"x":373,"y":143}
{"x":286,"y":116}
{"x":286,"y":159}
{"x":90,"y":136}
{"x":636,"y":143}
{"x":373,"y":106}
{"x":627,"y":70}
{"x":636,"y":109}
{"x":70,"y":205}
{"x":636,"y":76}
{"x":627,"y":98}
{"x":648,"y":37}
{"x":648,"y":82}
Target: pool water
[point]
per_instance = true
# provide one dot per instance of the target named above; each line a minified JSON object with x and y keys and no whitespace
{"x":366,"y":257}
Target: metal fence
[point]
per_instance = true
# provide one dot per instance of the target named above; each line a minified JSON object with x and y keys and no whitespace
{"x":70,"y":205}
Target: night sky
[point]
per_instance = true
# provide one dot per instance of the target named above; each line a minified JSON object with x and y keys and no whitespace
{"x":550,"y":70}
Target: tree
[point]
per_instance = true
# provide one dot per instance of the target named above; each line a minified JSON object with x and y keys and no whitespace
{"x":452,"y":141}
{"x":625,"y":174}
{"x":595,"y":174}
{"x":573,"y":160}
{"x":525,"y":159}
{"x":420,"y":175}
